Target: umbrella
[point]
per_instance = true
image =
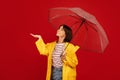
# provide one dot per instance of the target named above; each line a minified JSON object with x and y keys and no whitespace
{"x":87,"y":32}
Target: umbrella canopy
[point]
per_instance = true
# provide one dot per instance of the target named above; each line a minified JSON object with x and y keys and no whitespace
{"x":87,"y":32}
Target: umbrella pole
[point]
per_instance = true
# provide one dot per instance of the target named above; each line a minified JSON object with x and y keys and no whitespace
{"x":79,"y":27}
{"x":75,"y":33}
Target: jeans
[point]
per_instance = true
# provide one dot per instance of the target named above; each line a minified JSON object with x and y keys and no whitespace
{"x":56,"y":73}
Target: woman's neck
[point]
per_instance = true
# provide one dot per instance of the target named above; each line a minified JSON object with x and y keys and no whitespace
{"x":60,"y":40}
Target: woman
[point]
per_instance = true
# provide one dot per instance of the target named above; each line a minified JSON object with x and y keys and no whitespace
{"x":62,"y":60}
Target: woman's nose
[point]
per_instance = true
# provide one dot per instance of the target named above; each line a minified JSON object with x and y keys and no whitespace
{"x":58,"y":30}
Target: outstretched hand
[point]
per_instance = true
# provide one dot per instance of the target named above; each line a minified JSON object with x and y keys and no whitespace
{"x":35,"y":36}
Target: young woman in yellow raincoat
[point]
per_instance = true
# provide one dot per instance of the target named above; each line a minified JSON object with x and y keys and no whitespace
{"x":62,"y":59}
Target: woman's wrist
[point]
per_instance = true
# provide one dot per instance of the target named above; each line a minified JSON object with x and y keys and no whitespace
{"x":39,"y":37}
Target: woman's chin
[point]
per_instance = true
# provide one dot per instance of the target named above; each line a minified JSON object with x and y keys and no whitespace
{"x":57,"y":35}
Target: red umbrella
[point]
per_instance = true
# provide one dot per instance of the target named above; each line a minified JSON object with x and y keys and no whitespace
{"x":87,"y":32}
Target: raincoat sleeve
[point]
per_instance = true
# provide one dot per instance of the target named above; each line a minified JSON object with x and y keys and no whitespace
{"x":71,"y":58}
{"x":42,"y":47}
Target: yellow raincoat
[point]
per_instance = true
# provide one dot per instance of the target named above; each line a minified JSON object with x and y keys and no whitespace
{"x":69,"y":65}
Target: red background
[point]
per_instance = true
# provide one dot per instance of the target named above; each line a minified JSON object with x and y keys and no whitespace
{"x":19,"y":58}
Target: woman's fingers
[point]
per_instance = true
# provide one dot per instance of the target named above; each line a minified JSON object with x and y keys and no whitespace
{"x":31,"y":34}
{"x":35,"y":36}
{"x":63,"y":57}
{"x":64,"y":52}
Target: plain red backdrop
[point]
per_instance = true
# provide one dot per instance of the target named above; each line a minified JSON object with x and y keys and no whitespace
{"x":19,"y":58}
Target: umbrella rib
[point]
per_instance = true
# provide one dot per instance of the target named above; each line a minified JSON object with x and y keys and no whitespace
{"x":74,"y":23}
{"x":91,"y":26}
{"x":58,"y":16}
{"x":74,"y":17}
{"x":79,"y":27}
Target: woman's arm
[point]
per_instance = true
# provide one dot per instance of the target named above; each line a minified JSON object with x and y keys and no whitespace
{"x":41,"y":46}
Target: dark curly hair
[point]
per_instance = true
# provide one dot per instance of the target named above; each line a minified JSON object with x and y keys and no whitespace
{"x":68,"y":33}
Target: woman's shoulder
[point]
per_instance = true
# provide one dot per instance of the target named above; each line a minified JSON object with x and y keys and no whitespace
{"x":71,"y":46}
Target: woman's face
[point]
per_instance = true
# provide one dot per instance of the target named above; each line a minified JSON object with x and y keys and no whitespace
{"x":60,"y":32}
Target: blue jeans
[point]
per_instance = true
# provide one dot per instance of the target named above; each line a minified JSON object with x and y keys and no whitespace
{"x":56,"y":73}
